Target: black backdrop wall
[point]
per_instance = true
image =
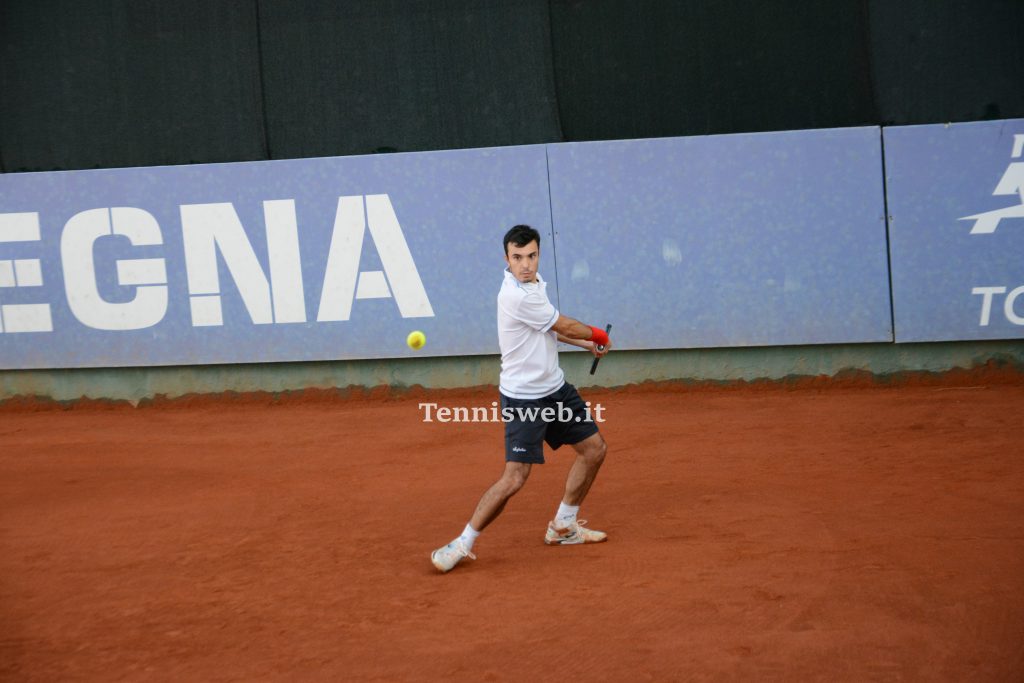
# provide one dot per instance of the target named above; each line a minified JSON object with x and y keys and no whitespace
{"x":104,"y":83}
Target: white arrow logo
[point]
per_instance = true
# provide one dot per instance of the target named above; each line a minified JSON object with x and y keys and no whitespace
{"x":1011,"y":183}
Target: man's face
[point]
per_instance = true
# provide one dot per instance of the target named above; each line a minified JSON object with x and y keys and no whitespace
{"x":522,"y":261}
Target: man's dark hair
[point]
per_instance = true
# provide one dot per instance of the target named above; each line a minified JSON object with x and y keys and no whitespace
{"x":521,"y":235}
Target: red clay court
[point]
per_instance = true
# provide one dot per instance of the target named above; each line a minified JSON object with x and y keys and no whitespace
{"x":800,"y":532}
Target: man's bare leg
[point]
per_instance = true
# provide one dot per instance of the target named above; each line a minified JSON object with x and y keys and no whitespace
{"x":565,"y":529}
{"x":589,"y":455}
{"x":494,"y":499}
{"x":487,"y":510}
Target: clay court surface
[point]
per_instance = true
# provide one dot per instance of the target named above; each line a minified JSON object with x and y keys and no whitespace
{"x":813,"y":532}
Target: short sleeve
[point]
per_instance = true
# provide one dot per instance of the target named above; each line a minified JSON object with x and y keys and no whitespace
{"x":536,"y":311}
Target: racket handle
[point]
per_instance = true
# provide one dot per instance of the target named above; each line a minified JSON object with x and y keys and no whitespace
{"x":593,"y":366}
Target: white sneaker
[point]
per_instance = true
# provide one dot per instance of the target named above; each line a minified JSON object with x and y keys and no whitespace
{"x":446,"y":557}
{"x":574,"y":534}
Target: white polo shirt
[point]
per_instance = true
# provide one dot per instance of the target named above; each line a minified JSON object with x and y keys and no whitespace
{"x":529,"y":352}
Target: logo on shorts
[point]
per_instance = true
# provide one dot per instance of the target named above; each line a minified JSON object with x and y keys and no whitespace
{"x":517,"y":449}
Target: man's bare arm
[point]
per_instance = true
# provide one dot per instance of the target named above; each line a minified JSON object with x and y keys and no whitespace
{"x":572,"y":329}
{"x":576,"y":342}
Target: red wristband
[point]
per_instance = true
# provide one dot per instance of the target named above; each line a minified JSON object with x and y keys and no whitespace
{"x":599,"y":336}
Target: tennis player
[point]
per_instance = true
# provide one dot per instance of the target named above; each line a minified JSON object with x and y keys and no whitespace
{"x":532,"y":381}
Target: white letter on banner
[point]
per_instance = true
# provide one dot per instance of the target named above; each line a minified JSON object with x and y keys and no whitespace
{"x":1008,"y":306}
{"x":343,"y":262}
{"x":986,"y":302}
{"x":149,"y":275}
{"x":22,"y":227}
{"x":285,"y":261}
{"x":207,"y":228}
{"x":396,"y":258}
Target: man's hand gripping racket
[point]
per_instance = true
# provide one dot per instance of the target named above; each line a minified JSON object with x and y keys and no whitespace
{"x":593,"y":366}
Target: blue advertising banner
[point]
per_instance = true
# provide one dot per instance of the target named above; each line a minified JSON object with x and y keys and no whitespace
{"x":956,"y":206}
{"x":311,"y":259}
{"x":733,"y":240}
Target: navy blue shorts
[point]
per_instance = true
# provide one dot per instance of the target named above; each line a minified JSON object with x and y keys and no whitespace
{"x":558,"y":418}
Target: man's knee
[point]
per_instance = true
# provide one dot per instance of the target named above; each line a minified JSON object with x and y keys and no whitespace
{"x":512,"y":485}
{"x":513,"y":481}
{"x":595,"y":450}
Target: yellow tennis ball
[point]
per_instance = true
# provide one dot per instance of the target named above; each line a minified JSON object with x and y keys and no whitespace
{"x":416,"y":340}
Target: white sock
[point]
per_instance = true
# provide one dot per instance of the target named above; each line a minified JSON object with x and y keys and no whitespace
{"x":469,"y":535}
{"x":566,"y":515}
